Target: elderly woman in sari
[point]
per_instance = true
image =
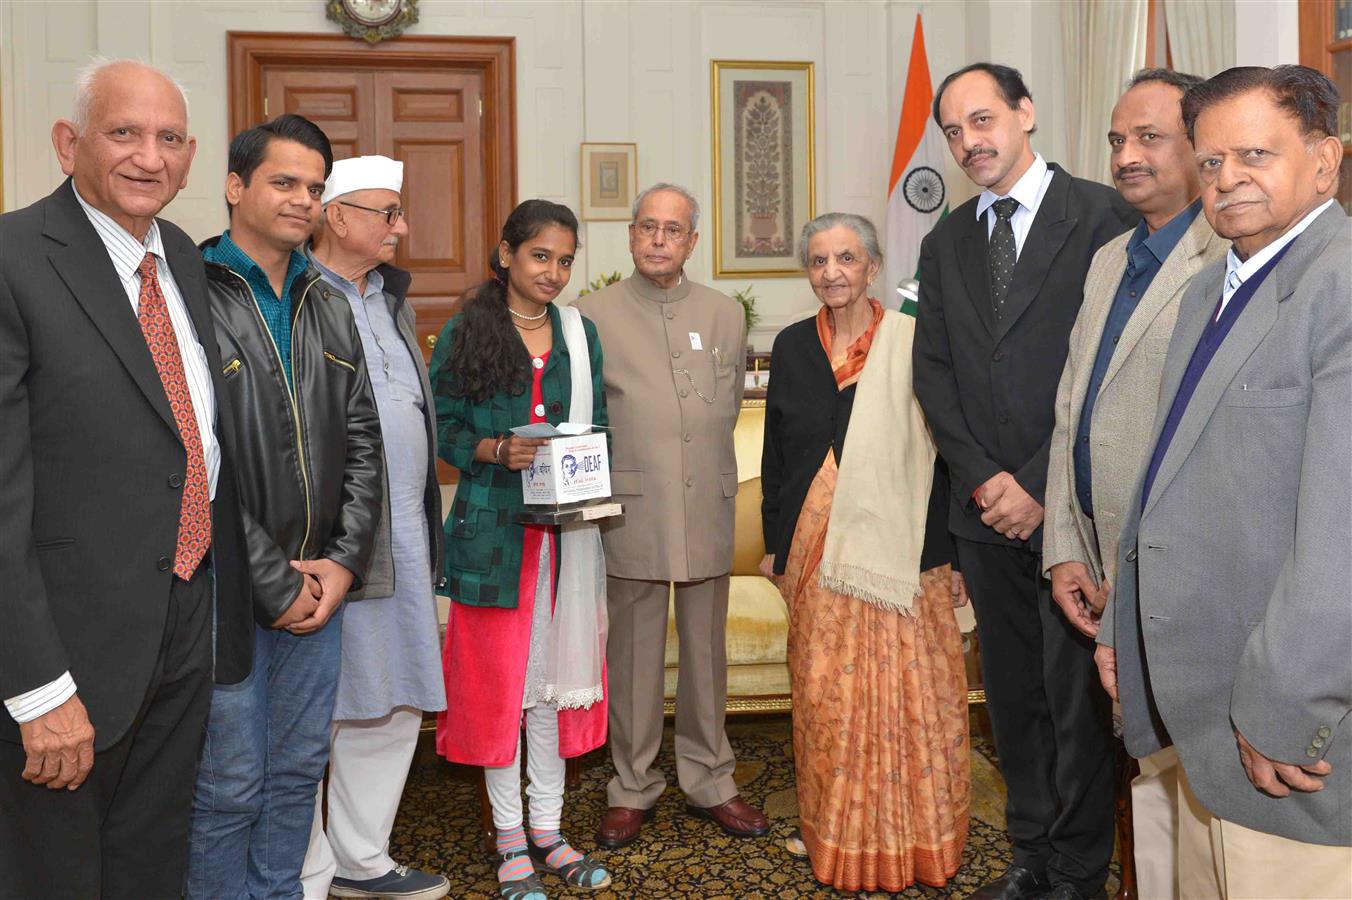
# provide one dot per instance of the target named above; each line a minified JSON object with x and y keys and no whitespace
{"x":875,"y":660}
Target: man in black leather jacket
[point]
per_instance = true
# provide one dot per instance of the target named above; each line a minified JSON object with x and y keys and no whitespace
{"x":311,"y":487}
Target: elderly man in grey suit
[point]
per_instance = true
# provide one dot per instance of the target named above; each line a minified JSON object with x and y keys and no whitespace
{"x":1228,"y":633}
{"x":673,"y":378}
{"x":1110,"y":387}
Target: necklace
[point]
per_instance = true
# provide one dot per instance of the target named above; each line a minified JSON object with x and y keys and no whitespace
{"x":526,"y":317}
{"x":521,"y":327}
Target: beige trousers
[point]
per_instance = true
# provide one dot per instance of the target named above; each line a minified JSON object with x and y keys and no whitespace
{"x":1154,"y":815}
{"x":1219,"y":859}
{"x":635,"y":659}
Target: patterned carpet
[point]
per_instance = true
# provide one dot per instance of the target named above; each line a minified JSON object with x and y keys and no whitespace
{"x":678,"y":856}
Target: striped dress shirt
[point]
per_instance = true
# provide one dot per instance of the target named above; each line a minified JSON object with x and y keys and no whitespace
{"x":126,"y":253}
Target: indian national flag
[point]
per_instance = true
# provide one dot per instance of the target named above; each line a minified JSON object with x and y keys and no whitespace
{"x":916,"y":198}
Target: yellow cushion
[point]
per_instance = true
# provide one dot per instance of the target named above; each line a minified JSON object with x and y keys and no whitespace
{"x":748,"y":541}
{"x":758,"y":624}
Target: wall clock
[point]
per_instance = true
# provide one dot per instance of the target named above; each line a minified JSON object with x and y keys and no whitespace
{"x":373,"y":20}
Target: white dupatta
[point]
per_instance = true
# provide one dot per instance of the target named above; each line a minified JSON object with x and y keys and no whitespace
{"x":577,"y":631}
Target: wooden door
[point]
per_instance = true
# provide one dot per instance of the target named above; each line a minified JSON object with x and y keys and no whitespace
{"x":445,"y":107}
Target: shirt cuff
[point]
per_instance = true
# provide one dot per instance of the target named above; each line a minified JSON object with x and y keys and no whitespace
{"x":38,"y":702}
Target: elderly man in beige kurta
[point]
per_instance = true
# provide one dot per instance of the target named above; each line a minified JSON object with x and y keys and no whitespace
{"x":675,"y":355}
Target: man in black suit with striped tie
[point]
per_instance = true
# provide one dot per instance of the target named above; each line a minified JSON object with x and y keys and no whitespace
{"x":1001,"y":280}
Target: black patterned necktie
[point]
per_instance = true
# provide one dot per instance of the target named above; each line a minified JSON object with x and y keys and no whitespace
{"x":1003,"y":251}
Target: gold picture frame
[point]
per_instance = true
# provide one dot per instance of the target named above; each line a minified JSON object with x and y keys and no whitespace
{"x":764,"y":162}
{"x":609,"y":181}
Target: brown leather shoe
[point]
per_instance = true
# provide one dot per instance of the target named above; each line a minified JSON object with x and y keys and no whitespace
{"x":737,"y":817}
{"x":620,"y":826}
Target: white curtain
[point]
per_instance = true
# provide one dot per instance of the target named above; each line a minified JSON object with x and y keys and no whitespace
{"x":1201,"y":35}
{"x":1104,"y":44}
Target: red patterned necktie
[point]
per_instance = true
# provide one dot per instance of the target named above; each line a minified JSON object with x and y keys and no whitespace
{"x":194,"y":513}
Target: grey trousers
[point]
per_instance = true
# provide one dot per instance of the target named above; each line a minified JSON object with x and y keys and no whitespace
{"x":635,"y":660}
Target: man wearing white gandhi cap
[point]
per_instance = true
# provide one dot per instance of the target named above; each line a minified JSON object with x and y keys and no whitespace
{"x":391,"y":669}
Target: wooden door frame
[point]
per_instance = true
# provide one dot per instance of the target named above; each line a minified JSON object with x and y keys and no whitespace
{"x":494,"y":57}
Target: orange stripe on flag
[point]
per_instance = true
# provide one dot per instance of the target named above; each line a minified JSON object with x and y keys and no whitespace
{"x":915,"y":107}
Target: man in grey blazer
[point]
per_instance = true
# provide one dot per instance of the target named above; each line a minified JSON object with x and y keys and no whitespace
{"x":1110,"y":387}
{"x":1228,"y":633}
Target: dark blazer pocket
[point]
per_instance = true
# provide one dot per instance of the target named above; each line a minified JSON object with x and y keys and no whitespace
{"x":469,"y":547}
{"x":1292,"y":396}
{"x":54,"y":544}
{"x":729,"y":482}
{"x":628,"y":483}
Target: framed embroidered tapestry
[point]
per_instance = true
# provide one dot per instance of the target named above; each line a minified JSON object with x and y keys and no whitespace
{"x":764,"y":180}
{"x":609,"y":181}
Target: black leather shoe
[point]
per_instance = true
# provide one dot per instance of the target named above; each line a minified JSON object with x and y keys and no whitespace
{"x":1063,"y":891}
{"x":1016,"y":884}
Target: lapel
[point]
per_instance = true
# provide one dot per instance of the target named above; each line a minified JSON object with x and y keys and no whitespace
{"x":1051,"y":227}
{"x":82,"y":263}
{"x":1183,"y":263}
{"x":1255,"y":321}
{"x":1100,"y":289}
{"x":974,"y":264}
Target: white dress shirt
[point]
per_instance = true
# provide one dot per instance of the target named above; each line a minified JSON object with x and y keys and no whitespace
{"x":1029,"y":191}
{"x":126,"y":253}
{"x":1237,"y":272}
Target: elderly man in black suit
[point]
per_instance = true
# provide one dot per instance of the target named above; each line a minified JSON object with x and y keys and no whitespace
{"x":121,"y":547}
{"x":1001,"y":280}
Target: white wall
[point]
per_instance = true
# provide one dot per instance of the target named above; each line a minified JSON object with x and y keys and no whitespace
{"x":587,"y":70}
{"x":1267,"y":32}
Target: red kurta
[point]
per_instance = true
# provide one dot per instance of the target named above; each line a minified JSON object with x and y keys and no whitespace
{"x":485,"y":657}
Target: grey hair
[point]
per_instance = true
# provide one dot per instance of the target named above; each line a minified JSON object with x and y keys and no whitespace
{"x":675,"y":189}
{"x":856,"y":223}
{"x":88,"y":74}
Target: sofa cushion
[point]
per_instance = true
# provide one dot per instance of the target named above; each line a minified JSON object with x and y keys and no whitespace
{"x":758,"y":624}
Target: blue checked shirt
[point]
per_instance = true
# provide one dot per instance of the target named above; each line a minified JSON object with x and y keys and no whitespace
{"x":276,"y":310}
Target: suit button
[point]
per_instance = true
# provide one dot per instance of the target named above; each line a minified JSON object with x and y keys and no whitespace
{"x":998,"y":355}
{"x":690,"y":482}
{"x":1325,"y":731}
{"x":162,"y":564}
{"x":1131,"y":555}
{"x":176,"y":480}
{"x":1311,"y":752}
{"x":683,"y":392}
{"x":556,"y":407}
{"x":1317,"y":742}
{"x":671,"y":315}
{"x":687,"y":438}
{"x":675,"y":354}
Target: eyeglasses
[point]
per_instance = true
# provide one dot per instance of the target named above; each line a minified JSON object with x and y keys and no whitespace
{"x":674,"y":233}
{"x":392,"y":215}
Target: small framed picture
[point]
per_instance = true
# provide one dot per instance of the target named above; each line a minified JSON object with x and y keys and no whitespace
{"x":609,"y":181}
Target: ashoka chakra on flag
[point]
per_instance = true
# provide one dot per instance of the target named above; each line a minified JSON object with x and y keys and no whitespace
{"x":923,"y":189}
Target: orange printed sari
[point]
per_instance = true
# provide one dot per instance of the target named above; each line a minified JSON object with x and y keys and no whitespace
{"x":879,"y":709}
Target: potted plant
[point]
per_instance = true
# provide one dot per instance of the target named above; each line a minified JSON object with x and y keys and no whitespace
{"x":607,"y":278}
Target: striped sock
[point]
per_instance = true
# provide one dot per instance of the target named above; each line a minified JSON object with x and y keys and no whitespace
{"x":520,"y":867}
{"x":550,"y":839}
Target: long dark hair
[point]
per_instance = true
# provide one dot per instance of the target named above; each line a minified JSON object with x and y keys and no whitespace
{"x":487,"y":355}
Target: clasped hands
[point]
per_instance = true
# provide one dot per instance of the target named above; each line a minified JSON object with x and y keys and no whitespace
{"x":1272,"y":777}
{"x":1008,"y":508}
{"x":324,"y":584}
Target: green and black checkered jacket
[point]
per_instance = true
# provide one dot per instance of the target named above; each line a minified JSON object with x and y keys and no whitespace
{"x":483,"y":540}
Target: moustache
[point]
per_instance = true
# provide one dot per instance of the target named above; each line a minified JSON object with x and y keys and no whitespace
{"x":979,"y":151}
{"x":1231,"y":201}
{"x":1134,"y":170}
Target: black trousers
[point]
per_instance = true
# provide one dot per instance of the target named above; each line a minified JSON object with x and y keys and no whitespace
{"x":1051,"y":718}
{"x":124,"y":832}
